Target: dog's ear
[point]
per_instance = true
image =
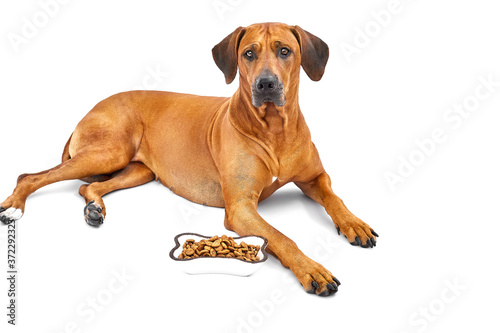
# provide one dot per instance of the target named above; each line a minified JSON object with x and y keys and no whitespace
{"x":313,"y":51}
{"x":226,"y":54}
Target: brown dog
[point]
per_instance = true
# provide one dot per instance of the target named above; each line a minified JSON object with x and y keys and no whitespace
{"x":222,"y":152}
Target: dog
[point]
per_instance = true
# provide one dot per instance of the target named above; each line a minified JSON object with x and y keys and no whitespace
{"x":230,"y":152}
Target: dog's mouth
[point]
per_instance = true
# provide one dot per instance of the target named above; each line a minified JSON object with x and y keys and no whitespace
{"x":276,"y":96}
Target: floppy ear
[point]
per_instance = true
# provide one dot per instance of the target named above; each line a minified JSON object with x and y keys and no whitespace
{"x":226,"y":54}
{"x":313,"y":51}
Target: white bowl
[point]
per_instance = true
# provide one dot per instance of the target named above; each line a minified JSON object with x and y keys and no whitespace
{"x":218,"y":265}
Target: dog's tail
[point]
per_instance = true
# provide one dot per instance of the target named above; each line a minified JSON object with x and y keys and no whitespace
{"x":65,"y":154}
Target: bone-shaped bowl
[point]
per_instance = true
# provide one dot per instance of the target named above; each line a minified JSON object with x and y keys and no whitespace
{"x":218,"y":265}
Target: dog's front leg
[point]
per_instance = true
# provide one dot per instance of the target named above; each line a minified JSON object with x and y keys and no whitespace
{"x":242,"y":217}
{"x":356,"y":231}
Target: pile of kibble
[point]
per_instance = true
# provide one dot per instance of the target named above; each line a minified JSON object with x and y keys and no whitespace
{"x":216,"y":246}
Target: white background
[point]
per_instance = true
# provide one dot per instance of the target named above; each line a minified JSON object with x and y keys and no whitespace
{"x":438,"y":228}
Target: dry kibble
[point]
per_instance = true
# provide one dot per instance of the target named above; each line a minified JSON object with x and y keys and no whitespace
{"x":216,"y":246}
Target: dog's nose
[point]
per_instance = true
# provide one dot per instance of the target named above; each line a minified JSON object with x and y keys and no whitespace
{"x":266,"y":83}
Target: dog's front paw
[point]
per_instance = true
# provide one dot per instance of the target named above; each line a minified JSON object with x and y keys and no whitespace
{"x":9,"y":215}
{"x":357,"y":232}
{"x":93,"y":214}
{"x":316,"y":279}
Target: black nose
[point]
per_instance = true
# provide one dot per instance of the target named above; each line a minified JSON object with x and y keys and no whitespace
{"x":266,"y":83}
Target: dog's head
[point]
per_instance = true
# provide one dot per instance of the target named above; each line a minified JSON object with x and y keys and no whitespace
{"x":269,"y":56}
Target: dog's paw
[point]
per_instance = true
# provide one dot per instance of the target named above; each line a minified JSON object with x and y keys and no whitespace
{"x":93,"y":214}
{"x":10,"y":215}
{"x":317,"y":280}
{"x":357,"y":232}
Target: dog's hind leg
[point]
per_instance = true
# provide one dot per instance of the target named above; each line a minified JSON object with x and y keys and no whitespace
{"x":95,"y":178}
{"x":134,"y":174}
{"x":87,"y":162}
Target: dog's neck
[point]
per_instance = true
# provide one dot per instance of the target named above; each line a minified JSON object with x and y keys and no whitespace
{"x":273,"y":127}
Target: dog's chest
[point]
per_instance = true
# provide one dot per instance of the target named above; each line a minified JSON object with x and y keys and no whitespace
{"x":291,"y":151}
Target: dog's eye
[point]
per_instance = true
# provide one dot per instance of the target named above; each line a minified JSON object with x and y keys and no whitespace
{"x":284,"y":52}
{"x":249,"y":55}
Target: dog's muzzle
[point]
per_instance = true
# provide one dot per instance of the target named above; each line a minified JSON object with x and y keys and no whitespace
{"x":268,"y":88}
